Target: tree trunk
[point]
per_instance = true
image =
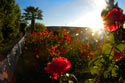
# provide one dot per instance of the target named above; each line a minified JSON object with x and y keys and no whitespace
{"x":33,"y":23}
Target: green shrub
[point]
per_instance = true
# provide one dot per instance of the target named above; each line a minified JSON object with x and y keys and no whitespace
{"x":40,"y":27}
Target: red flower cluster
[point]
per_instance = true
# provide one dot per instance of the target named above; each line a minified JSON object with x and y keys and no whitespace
{"x":77,"y":29}
{"x":67,"y":38}
{"x":39,"y":33}
{"x":87,"y":52}
{"x":113,"y":19}
{"x":118,"y":56}
{"x":59,"y":65}
{"x":52,"y":50}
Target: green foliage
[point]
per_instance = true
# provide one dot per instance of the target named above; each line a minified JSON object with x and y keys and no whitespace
{"x":106,"y":49}
{"x":121,"y":47}
{"x":40,"y":27}
{"x":111,"y":38}
{"x":90,"y":81}
{"x":9,"y":14}
{"x":67,"y":78}
{"x":104,"y":66}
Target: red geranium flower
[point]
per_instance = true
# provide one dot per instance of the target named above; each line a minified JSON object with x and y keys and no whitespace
{"x":67,"y":38}
{"x":85,"y":53}
{"x":58,"y":66}
{"x":35,"y":49}
{"x":50,"y":31}
{"x":60,"y":39}
{"x":111,"y":27}
{"x":87,"y":46}
{"x":38,"y":39}
{"x":34,"y":33}
{"x":63,"y":50}
{"x":59,"y":52}
{"x":53,"y":49}
{"x":39,"y":33}
{"x":51,"y":54}
{"x":64,"y":31}
{"x":118,"y":56}
{"x":45,"y":32}
{"x":77,"y":29}
{"x":48,"y":36}
{"x":25,"y":48}
{"x":113,"y":18}
{"x":115,"y":14}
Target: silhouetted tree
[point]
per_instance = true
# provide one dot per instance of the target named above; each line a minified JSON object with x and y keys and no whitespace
{"x":32,"y":13}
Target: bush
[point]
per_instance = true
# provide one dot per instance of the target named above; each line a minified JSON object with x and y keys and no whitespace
{"x":40,"y":27}
{"x":42,"y":47}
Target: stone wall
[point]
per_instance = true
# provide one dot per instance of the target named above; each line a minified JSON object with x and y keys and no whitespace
{"x":7,"y":66}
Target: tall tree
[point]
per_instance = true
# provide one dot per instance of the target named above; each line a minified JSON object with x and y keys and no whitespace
{"x":32,"y":13}
{"x":9,"y":12}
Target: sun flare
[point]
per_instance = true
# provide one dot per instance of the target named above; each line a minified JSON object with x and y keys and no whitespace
{"x":93,"y":18}
{"x":97,"y":20}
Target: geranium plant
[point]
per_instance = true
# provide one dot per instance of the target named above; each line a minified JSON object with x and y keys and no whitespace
{"x":107,"y":65}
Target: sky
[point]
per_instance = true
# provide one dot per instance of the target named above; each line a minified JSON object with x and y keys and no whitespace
{"x":81,"y":13}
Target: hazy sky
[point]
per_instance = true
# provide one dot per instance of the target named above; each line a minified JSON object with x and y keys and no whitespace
{"x":84,"y":13}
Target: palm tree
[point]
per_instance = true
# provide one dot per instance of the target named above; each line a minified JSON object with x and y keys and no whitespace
{"x":32,"y":13}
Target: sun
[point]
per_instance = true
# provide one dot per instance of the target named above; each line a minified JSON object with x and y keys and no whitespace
{"x":92,"y":19}
{"x":96,"y":22}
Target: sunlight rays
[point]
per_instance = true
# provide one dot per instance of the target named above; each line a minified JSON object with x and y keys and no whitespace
{"x":93,"y":18}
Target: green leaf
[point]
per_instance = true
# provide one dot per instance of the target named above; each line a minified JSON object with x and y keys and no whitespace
{"x":95,"y":70}
{"x":70,"y":81}
{"x":121,"y":80}
{"x":93,"y":61}
{"x":106,"y":48}
{"x":97,"y":52}
{"x":114,"y":71}
{"x":120,"y":47}
{"x":72,"y":75}
{"x":106,"y":74}
{"x":110,"y":67}
{"x":89,"y":81}
{"x":111,"y":37}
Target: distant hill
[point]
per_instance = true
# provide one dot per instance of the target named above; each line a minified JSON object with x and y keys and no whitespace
{"x":65,"y":27}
